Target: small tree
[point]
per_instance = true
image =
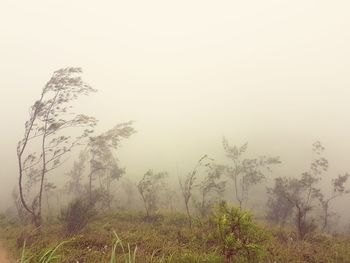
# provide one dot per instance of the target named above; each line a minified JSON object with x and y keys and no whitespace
{"x":149,"y":188}
{"x":209,"y":188}
{"x":279,"y":207}
{"x":246,"y":173}
{"x":49,"y":117}
{"x":103,"y":164}
{"x":189,"y":183}
{"x":302,"y":193}
{"x":338,"y":189}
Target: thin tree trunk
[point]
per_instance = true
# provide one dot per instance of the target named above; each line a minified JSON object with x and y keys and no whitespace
{"x":325,"y":219}
{"x":43,"y":144}
{"x":188,"y":214}
{"x":20,"y":152}
{"x":145,"y":204}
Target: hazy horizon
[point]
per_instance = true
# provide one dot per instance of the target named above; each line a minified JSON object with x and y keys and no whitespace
{"x":272,"y":73}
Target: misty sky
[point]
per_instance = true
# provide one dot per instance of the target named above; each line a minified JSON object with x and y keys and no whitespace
{"x":273,"y":73}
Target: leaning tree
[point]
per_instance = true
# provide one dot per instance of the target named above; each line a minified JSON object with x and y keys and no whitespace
{"x":188,"y":184}
{"x":45,"y":142}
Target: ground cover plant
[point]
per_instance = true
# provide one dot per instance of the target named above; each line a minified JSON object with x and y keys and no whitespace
{"x":129,"y":237}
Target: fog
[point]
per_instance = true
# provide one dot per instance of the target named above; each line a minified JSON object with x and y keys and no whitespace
{"x":270,"y":73}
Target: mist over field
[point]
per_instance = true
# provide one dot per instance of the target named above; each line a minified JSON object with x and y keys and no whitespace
{"x":274,"y":74}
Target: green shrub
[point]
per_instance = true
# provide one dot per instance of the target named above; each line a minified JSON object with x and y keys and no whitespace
{"x":240,"y":238}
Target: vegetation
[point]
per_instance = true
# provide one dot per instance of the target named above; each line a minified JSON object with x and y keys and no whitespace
{"x":298,"y":197}
{"x":167,"y":239}
{"x":211,"y":190}
{"x":149,"y":188}
{"x":187,"y":186}
{"x":49,"y":118}
{"x":76,"y":216}
{"x":98,"y":199}
{"x":245,"y":172}
{"x":239,"y":236}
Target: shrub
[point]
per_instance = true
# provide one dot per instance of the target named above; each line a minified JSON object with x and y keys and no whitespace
{"x":77,"y":215}
{"x":239,"y":236}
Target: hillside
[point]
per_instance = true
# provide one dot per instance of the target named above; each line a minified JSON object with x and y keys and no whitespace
{"x":164,"y":238}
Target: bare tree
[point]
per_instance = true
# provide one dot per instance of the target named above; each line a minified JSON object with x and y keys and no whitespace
{"x":246,"y":172}
{"x":49,"y":117}
{"x":189,"y":183}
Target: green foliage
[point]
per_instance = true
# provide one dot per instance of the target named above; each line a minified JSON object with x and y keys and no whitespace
{"x":240,"y":237}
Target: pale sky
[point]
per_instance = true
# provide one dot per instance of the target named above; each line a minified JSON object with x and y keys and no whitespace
{"x":273,"y":73}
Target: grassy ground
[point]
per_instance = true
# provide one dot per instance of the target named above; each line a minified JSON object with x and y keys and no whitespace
{"x":164,"y":239}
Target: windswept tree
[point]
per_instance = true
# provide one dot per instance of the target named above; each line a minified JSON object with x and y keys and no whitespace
{"x":104,"y":165}
{"x":338,"y":189}
{"x":45,"y":141}
{"x":246,"y":172}
{"x":149,"y":188}
{"x":210,"y":189}
{"x":188,"y":184}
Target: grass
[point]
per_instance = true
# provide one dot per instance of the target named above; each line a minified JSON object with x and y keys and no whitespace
{"x":129,"y":257}
{"x":167,"y":238}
